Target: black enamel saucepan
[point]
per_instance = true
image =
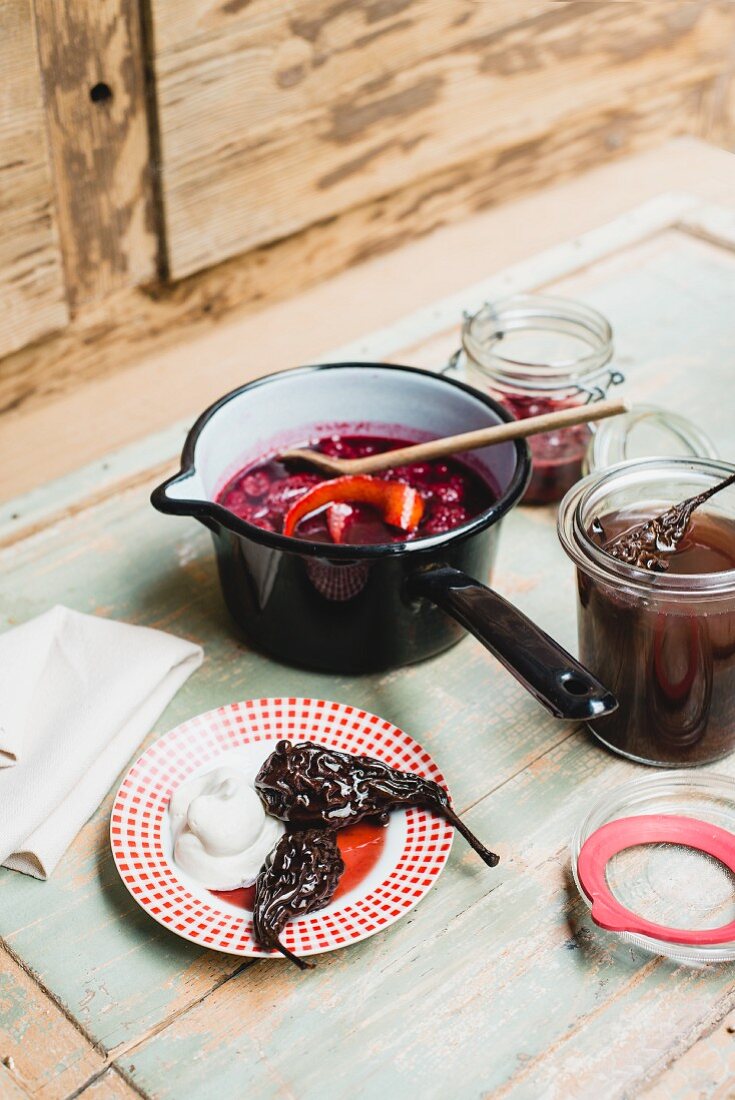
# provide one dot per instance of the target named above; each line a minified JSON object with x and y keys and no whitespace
{"x":359,"y":609}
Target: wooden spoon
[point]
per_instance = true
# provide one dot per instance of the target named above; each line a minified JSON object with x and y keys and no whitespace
{"x":456,"y":444}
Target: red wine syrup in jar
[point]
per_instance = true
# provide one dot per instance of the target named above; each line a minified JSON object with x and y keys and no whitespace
{"x":670,"y":661}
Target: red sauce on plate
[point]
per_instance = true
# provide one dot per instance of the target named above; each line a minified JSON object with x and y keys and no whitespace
{"x":361,"y":846}
{"x":243,"y":898}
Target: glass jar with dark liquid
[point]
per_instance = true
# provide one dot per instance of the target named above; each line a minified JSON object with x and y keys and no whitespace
{"x":664,"y":643}
{"x":537,"y":354}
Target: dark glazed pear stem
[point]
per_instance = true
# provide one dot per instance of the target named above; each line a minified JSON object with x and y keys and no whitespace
{"x":301,"y":963}
{"x":488,"y":857}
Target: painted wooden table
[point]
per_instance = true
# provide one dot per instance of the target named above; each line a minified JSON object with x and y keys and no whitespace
{"x":497,"y":983}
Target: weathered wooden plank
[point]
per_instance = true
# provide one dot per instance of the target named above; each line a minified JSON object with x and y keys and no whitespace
{"x":124,"y":338}
{"x":706,"y":1070}
{"x":717,"y":121}
{"x":673,"y":280}
{"x":110,"y":1086}
{"x":41,"y":1050}
{"x":93,"y":73}
{"x":321,"y":106}
{"x":11,"y":1090}
{"x":32,"y":300}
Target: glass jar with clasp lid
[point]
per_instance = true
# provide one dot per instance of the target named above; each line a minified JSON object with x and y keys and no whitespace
{"x":536,"y":354}
{"x":662,"y":641}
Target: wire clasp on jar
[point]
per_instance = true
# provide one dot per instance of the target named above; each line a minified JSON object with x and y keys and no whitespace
{"x":600,"y":391}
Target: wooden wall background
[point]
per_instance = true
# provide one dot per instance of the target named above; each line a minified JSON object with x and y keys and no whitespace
{"x":163,"y":162}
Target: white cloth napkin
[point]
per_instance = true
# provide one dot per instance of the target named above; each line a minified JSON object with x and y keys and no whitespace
{"x":78,"y":694}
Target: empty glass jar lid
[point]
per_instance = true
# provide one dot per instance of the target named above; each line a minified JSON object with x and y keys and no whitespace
{"x":679,"y":885}
{"x":537,"y":342}
{"x":646,"y":432}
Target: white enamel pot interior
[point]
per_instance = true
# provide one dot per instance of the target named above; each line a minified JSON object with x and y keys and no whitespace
{"x":295,"y":407}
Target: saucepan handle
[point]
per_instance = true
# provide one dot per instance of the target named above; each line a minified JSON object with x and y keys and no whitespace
{"x":553,"y":676}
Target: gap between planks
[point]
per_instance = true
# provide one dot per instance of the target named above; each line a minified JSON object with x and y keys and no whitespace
{"x":96,"y":1078}
{"x":18,"y":960}
{"x":695,"y":1036}
{"x":127,"y":1048}
{"x":110,"y":1063}
{"x":150,"y":476}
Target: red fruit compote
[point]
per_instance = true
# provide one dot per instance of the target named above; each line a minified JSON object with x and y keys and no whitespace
{"x":263,"y":492}
{"x":538,"y":354}
{"x":663,"y":642}
{"x":556,"y":457}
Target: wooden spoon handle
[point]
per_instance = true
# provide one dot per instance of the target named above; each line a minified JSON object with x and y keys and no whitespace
{"x":499,"y":433}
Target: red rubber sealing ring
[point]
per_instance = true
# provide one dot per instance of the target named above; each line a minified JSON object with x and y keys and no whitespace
{"x":628,"y":832}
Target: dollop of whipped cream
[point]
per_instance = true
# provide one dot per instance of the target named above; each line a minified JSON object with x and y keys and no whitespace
{"x":221,"y":833}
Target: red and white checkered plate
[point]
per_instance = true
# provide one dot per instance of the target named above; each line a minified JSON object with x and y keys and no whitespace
{"x":417,"y":842}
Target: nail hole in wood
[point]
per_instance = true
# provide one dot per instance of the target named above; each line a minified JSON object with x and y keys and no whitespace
{"x":100,"y":93}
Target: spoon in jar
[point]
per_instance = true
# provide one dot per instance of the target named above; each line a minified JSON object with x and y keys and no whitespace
{"x":456,"y":444}
{"x":651,"y":544}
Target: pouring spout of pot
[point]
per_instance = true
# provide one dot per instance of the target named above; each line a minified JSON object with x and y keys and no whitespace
{"x":183,"y":495}
{"x":179,"y":493}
